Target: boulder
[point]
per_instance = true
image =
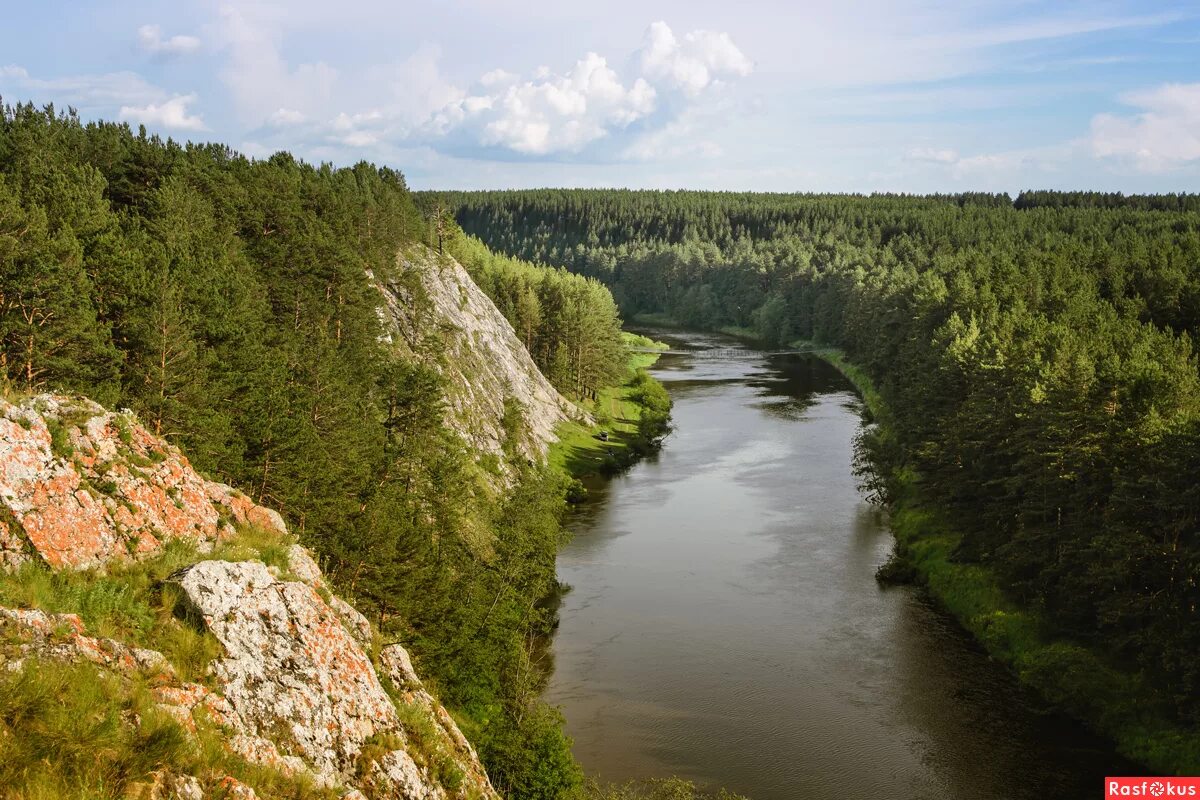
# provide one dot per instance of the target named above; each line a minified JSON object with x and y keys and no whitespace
{"x":290,"y":666}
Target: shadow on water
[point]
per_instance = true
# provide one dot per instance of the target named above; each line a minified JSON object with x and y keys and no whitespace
{"x":724,"y":623}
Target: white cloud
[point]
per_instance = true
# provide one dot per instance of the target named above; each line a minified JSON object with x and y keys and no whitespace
{"x":151,"y":39}
{"x":97,"y":93}
{"x":171,"y":114}
{"x":566,"y":112}
{"x":1164,"y":135}
{"x":411,"y":102}
{"x":692,"y":64}
{"x":414,"y":89}
{"x":675,"y":140}
{"x":258,"y":77}
{"x":933,"y":154}
{"x":500,"y":77}
{"x":551,"y":113}
{"x":286,"y":117}
{"x":1001,"y":168}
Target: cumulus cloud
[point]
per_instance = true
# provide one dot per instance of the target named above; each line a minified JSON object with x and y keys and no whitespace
{"x":150,"y":38}
{"x":566,"y":112}
{"x":411,"y":102}
{"x":285,"y":117}
{"x":554,"y":113}
{"x":1164,"y":135}
{"x":171,"y":114}
{"x":693,"y":63}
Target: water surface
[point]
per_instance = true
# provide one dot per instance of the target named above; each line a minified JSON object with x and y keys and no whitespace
{"x":724,"y":624}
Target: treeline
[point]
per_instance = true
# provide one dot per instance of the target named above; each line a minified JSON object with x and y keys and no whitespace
{"x":1039,"y":363}
{"x":1143,"y":202}
{"x":226,"y":301}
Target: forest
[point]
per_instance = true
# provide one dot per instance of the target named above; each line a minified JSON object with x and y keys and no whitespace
{"x":226,"y":301}
{"x":1037,"y":361}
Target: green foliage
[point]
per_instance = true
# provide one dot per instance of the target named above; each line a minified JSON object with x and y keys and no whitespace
{"x":635,"y":416}
{"x":535,"y":757}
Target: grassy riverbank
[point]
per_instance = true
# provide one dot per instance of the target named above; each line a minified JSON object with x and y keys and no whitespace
{"x":633,"y":415}
{"x":1078,"y":680}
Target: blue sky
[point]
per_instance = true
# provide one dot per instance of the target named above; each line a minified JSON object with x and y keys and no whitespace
{"x":837,"y":95}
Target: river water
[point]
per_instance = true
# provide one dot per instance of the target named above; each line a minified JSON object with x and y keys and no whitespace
{"x":724,"y":624}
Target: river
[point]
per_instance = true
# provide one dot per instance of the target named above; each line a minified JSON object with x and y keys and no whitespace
{"x":724,"y":624}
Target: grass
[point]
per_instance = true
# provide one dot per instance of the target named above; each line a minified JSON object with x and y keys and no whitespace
{"x":72,"y":730}
{"x":1075,"y":679}
{"x":132,"y":602}
{"x":620,"y":411}
{"x":66,"y":731}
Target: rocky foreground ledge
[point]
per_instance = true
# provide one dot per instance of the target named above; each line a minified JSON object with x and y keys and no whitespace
{"x":299,"y":684}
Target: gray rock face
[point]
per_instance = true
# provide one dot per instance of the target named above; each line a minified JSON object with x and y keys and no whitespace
{"x":291,"y":669}
{"x":485,"y":362}
{"x":397,"y":776}
{"x":395,"y":663}
{"x":300,"y":693}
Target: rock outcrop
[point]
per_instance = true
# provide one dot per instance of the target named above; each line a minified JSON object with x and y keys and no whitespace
{"x":81,"y":486}
{"x":485,"y":363}
{"x":301,"y":686}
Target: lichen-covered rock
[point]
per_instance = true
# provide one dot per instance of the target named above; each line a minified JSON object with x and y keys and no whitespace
{"x":233,"y":789}
{"x":299,"y":691}
{"x":81,"y":486}
{"x":396,"y":664}
{"x":484,"y":361}
{"x":396,"y":776}
{"x":166,"y":785}
{"x":290,"y":666}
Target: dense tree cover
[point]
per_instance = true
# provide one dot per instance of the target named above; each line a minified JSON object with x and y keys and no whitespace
{"x":226,"y":300}
{"x":1144,"y":202}
{"x":1038,"y":360}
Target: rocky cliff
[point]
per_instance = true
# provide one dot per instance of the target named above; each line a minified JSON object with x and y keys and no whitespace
{"x":296,"y":686}
{"x":489,"y":373}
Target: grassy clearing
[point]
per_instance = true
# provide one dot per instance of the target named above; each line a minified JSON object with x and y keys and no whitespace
{"x":1075,"y":679}
{"x":633,"y":415}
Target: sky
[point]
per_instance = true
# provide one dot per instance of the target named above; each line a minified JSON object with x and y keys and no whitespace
{"x":828,"y":95}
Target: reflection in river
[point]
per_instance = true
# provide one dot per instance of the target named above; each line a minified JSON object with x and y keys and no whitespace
{"x":724,"y":624}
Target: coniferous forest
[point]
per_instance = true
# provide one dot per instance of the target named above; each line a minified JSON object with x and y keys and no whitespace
{"x":1037,"y":362}
{"x":227,"y":302}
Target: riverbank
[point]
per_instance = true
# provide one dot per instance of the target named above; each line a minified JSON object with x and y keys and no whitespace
{"x":1073,"y":678}
{"x":630,"y":418}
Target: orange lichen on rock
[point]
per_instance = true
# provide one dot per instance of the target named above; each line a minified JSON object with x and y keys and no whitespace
{"x":113,"y":490}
